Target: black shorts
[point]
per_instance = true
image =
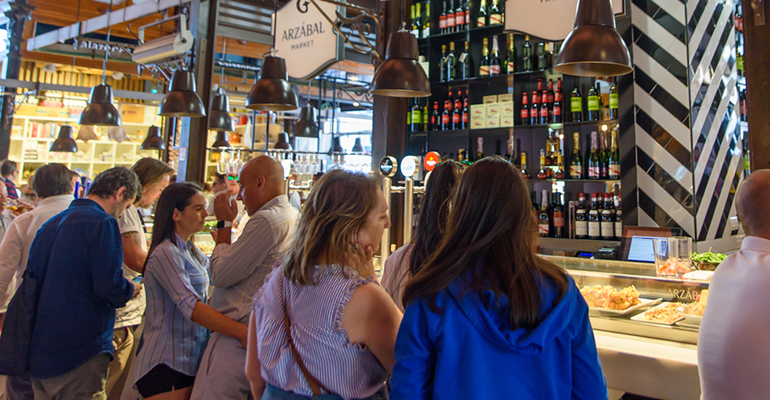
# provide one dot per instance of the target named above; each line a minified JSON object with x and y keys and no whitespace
{"x":162,"y":379}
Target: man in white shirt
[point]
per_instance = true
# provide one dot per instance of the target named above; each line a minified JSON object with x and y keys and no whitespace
{"x":154,"y":176}
{"x":53,"y":184}
{"x":238,"y":270}
{"x":733,"y":343}
{"x":218,"y":186}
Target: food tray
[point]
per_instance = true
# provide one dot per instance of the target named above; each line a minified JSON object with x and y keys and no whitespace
{"x":629,"y":310}
{"x":638,"y":318}
{"x":689,"y":318}
{"x":684,"y":324}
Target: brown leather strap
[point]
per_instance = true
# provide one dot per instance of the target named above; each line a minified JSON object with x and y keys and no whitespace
{"x":315,"y":385}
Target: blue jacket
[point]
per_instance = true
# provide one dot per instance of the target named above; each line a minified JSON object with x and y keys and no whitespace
{"x":470,"y":352}
{"x":81,"y":253}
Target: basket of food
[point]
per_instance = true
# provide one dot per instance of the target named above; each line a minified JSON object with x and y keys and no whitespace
{"x":707,"y":261}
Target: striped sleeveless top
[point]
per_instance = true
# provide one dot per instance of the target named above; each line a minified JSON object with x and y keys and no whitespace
{"x":349,"y":370}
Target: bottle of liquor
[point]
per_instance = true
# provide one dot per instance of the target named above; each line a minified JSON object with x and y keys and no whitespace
{"x":465,"y":63}
{"x":416,"y":119}
{"x":460,"y":17}
{"x":409,"y":115}
{"x":495,"y":14}
{"x":443,"y":66}
{"x":558,"y":217}
{"x":541,"y":61}
{"x":544,"y":108}
{"x":576,"y":105}
{"x":425,"y":117}
{"x":457,"y":115}
{"x":484,"y":65}
{"x":415,"y":28}
{"x":542,"y":174}
{"x":604,"y":156}
{"x":550,"y":94}
{"x":594,"y":225}
{"x":426,"y":22}
{"x":451,"y":62}
{"x":524,"y":169}
{"x":450,"y":97}
{"x":542,"y":219}
{"x":557,"y":118}
{"x":614,"y":159}
{"x":510,"y":61}
{"x":576,"y":164}
{"x":442,"y":18}
{"x":526,"y":55}
{"x":607,"y":223}
{"x":524,"y":109}
{"x":534,"y":110}
{"x":435,"y":118}
{"x":450,"y":17}
{"x":594,"y":164}
{"x":581,"y":219}
{"x":614,"y":103}
{"x":465,"y":117}
{"x":479,"y":148}
{"x":467,"y":12}
{"x":559,"y":174}
{"x":618,"y":218}
{"x":593,"y":104}
{"x":481,"y":17}
{"x":494,"y":61}
{"x":446,"y":121}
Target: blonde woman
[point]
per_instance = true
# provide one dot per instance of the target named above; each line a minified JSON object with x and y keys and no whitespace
{"x":341,"y":324}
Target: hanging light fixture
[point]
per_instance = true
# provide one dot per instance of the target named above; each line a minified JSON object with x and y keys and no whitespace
{"x":181,"y":99}
{"x":221,"y":141}
{"x":272,"y":92}
{"x":306,"y":126}
{"x":64,"y":142}
{"x":400,"y":75}
{"x":100,"y":111}
{"x":594,"y":48}
{"x":283,"y":141}
{"x":357,"y":147}
{"x":219,"y":109}
{"x":153,"y":141}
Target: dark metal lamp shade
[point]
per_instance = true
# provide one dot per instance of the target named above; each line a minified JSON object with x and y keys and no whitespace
{"x":283,"y":141}
{"x":219,"y":113}
{"x":272,"y":92}
{"x":357,"y":147}
{"x":64,"y":142}
{"x":153,"y":140}
{"x":594,"y":48}
{"x":307,"y":125}
{"x":400,"y":75}
{"x":181,"y":99}
{"x":221,"y":140}
{"x":100,"y":111}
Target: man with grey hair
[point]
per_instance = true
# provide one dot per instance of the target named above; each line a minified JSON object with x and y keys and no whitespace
{"x":53,"y":184}
{"x":733,"y":348}
{"x":79,"y":254}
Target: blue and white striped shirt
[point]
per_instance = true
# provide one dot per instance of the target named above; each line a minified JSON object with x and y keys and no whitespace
{"x":175,"y":281}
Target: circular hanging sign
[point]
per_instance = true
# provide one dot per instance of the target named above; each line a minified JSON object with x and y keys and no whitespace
{"x":431,"y":160}
{"x":388,"y":166}
{"x":408,"y":166}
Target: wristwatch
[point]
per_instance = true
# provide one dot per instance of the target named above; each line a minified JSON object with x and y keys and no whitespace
{"x":224,"y":224}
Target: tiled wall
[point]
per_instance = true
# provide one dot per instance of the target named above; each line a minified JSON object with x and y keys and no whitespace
{"x":687,"y":147}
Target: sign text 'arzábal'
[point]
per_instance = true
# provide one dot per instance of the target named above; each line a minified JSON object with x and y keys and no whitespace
{"x":307,"y":40}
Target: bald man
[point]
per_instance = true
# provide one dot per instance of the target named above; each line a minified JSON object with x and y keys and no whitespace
{"x":733,"y":343}
{"x":238,"y":270}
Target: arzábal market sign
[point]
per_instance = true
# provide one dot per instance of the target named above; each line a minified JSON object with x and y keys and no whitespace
{"x":306,"y":40}
{"x":526,"y":16}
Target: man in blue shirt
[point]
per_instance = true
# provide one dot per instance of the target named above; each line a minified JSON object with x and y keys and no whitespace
{"x":79,"y":255}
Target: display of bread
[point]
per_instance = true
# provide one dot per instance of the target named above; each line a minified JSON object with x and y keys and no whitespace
{"x":610,"y":298}
{"x":697,"y":308}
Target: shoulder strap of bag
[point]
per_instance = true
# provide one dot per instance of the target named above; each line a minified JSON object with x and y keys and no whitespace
{"x":315,"y":385}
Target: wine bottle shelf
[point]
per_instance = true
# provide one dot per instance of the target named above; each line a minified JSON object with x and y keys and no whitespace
{"x":506,"y":129}
{"x":491,"y":28}
{"x":549,"y":73}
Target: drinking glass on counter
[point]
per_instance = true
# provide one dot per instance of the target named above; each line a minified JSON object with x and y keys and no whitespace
{"x":673,"y":256}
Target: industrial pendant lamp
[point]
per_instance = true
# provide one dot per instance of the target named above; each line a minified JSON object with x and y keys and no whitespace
{"x":100,"y":111}
{"x":219,"y":112}
{"x":283,"y":141}
{"x":400,"y":75}
{"x":594,"y":48}
{"x":221,"y":141}
{"x":306,"y":126}
{"x":357,"y":147}
{"x":272,"y":92}
{"x":64,"y":142}
{"x":181,"y":99}
{"x":153,"y":141}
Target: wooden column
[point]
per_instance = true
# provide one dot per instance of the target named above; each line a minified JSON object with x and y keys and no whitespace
{"x":757,"y":56}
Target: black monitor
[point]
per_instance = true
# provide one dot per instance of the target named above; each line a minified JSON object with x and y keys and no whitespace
{"x":636,"y":243}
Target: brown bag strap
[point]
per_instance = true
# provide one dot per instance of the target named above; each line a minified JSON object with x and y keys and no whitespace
{"x":315,"y":385}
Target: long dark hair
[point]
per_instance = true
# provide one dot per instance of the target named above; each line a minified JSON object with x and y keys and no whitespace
{"x":490,"y":245}
{"x":176,"y":196}
{"x":434,"y":213}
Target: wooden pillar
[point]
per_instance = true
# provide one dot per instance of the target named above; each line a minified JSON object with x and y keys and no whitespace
{"x":757,"y":56}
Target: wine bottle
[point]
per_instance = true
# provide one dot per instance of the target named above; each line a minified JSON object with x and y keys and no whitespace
{"x":494,"y":61}
{"x":594,"y":225}
{"x":541,"y":56}
{"x":409,"y":116}
{"x":479,"y":148}
{"x":444,"y":64}
{"x":524,"y":109}
{"x":457,"y":115}
{"x":524,"y":169}
{"x":465,"y":63}
{"x":467,"y":12}
{"x":460,"y":17}
{"x":557,"y":118}
{"x":594,"y":164}
{"x":618,"y":218}
{"x":607,"y":224}
{"x":481,"y":17}
{"x":446,"y":118}
{"x":544,"y":108}
{"x":484,"y":66}
{"x":534,"y":109}
{"x":526,"y":55}
{"x":416,"y":119}
{"x":442,"y":18}
{"x":495,"y":14}
{"x":542,"y":174}
{"x":593,"y":104}
{"x":559,"y":174}
{"x":576,"y":105}
{"x":425,"y":117}
{"x":614,"y":103}
{"x":451,"y":63}
{"x":465,"y":117}
{"x":426,"y":22}
{"x":510,"y":62}
{"x":415,"y":27}
{"x":614,"y":159}
{"x":450,"y":17}
{"x":542,"y":219}
{"x":558,"y":216}
{"x":604,"y":157}
{"x":435,"y":118}
{"x":581,"y":219}
{"x":576,"y":164}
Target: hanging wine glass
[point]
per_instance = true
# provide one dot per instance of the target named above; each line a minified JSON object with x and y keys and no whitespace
{"x":237,"y":164}
{"x":222,"y":164}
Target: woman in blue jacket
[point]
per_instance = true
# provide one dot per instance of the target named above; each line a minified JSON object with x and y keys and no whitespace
{"x":486,"y":318}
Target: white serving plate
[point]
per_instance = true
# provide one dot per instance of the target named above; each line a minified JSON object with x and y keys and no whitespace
{"x":638,"y":318}
{"x":644,"y":303}
{"x":689,"y":318}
